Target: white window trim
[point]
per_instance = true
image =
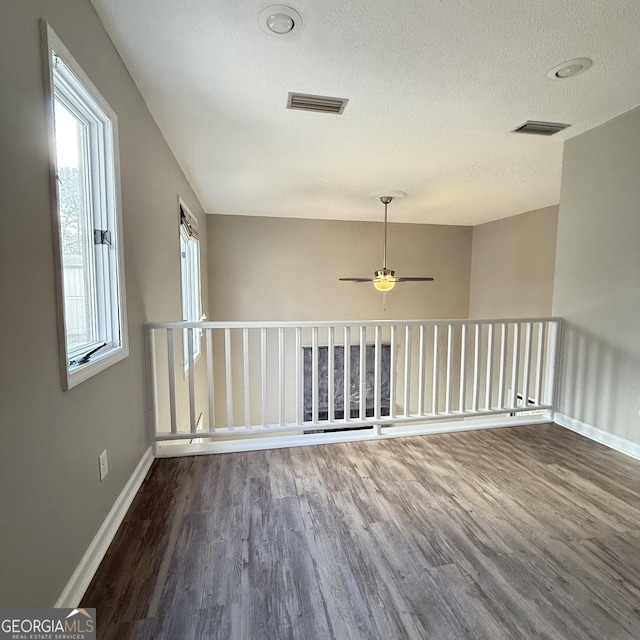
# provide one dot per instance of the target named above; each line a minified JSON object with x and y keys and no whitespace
{"x":73,"y":376}
{"x":198,"y":332}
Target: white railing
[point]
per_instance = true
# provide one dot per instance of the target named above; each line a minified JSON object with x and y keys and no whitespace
{"x":263,"y":379}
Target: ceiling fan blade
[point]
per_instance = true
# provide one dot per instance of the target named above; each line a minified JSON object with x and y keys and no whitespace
{"x":356,"y":279}
{"x":419,"y":279}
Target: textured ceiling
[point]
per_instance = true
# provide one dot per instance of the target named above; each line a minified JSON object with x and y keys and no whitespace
{"x":434,"y":88}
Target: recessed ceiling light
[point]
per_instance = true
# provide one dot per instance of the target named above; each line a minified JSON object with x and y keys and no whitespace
{"x":279,"y":20}
{"x":570,"y":68}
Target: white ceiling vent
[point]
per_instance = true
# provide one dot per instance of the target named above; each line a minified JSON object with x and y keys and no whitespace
{"x":537,"y":128}
{"x":320,"y":104}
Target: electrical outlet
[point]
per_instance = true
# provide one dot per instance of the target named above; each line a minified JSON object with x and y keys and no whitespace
{"x":104,"y":465}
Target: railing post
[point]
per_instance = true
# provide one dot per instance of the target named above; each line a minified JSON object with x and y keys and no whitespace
{"x":152,"y":389}
{"x":556,"y":330}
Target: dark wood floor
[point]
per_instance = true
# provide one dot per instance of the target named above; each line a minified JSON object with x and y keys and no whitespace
{"x":522,"y":533}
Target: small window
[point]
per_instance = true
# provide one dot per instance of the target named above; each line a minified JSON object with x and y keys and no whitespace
{"x":190,"y":274}
{"x":86,"y":196}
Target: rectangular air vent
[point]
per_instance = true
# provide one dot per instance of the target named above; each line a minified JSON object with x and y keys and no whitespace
{"x":537,"y":128}
{"x":321,"y":104}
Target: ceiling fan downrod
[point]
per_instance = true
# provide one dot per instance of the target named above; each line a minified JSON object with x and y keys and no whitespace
{"x":385,"y":279}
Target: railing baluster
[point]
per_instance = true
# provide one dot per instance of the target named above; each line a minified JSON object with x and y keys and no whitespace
{"x":363,"y":372}
{"x":392,"y":373}
{"x":347,"y":374}
{"x":331,"y":364}
{"x":407,"y":370}
{"x":436,"y":371}
{"x":192,"y":382}
{"x":421,"y":372}
{"x":539,"y":359}
{"x":515,"y":364}
{"x":246,"y":378}
{"x":476,"y":368}
{"x":171,"y":364}
{"x":527,"y":366}
{"x":447,"y":400}
{"x":263,"y":363}
{"x":210,"y":379}
{"x":489,"y":376}
{"x":281,"y":377}
{"x":503,"y":365}
{"x":463,"y":369}
{"x":377,"y":366}
{"x":228,"y":377}
{"x":299,"y":382}
{"x":314,"y":374}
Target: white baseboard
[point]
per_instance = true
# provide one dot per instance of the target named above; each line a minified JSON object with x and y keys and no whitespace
{"x":610,"y":440}
{"x":82,"y":576}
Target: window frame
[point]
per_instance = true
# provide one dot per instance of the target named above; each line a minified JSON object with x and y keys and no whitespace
{"x":106,"y":207}
{"x":188,"y":234}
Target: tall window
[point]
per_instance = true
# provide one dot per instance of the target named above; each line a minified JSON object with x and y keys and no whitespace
{"x":190,"y":272}
{"x":86,"y":219}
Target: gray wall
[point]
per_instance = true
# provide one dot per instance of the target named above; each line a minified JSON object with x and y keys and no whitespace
{"x":52,"y":502}
{"x":597,"y":280}
{"x":512,"y":266}
{"x":288,"y":269}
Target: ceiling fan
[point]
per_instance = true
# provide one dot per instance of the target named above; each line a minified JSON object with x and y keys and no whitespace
{"x":385,"y":279}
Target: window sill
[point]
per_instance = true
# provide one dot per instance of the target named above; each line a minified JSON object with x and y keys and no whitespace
{"x":73,"y":376}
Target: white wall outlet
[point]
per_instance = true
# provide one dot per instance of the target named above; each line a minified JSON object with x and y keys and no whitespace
{"x":104,"y":465}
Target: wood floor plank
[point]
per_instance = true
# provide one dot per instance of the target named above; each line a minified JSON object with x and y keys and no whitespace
{"x":506,"y":534}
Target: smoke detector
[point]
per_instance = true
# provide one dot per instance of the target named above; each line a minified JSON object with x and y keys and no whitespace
{"x":280,"y":21}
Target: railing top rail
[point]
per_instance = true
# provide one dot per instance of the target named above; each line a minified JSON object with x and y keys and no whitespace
{"x":276,"y":324}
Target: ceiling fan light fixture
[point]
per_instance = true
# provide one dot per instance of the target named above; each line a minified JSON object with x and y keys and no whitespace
{"x":384,"y":280}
